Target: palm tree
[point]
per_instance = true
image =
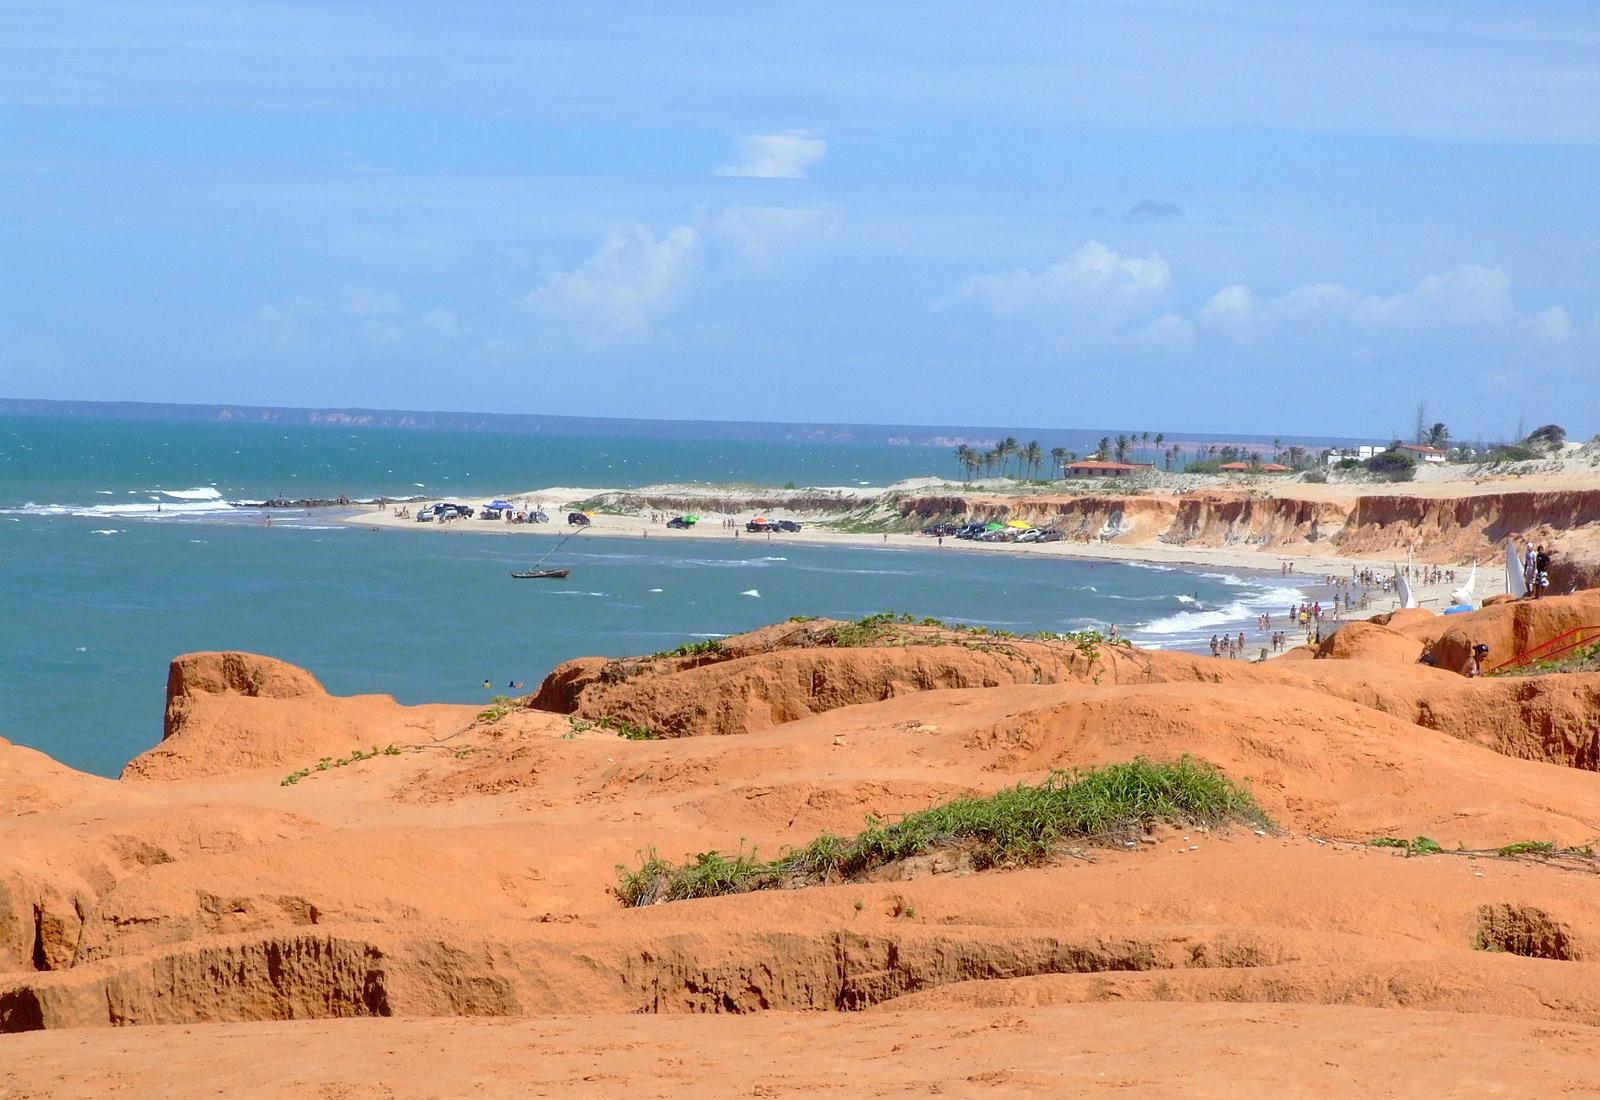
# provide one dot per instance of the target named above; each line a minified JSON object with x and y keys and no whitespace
{"x":1161,"y":437}
{"x":1438,"y":436}
{"x":1033,"y":455}
{"x":1103,"y":451}
{"x":1008,"y":449}
{"x":1123,"y":443}
{"x":962,"y":454}
{"x":1058,"y":456}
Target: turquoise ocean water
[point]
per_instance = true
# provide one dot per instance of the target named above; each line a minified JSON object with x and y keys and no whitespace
{"x":98,"y":590}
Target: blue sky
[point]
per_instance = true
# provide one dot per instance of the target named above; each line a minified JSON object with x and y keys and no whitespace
{"x":1206,"y":217}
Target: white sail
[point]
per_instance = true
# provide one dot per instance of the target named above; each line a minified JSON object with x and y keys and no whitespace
{"x":1516,"y":582}
{"x":1403,"y":588}
{"x":1463,"y":595}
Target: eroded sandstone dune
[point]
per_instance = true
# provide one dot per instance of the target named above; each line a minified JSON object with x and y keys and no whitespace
{"x":286,"y":860}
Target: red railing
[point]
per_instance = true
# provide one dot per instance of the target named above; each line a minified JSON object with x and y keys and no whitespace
{"x":1555,"y":647}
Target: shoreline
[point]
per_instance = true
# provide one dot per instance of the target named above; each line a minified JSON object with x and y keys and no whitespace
{"x":1310,"y":573}
{"x":1308,"y":569}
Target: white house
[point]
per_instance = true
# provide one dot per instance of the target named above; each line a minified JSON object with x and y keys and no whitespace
{"x":1422,"y":452}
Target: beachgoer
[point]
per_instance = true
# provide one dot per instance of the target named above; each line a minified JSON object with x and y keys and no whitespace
{"x":1541,"y":566}
{"x":1479,"y":652}
{"x":485,"y":683}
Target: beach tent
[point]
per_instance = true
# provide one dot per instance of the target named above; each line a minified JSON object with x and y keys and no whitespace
{"x":499,"y":504}
{"x":1018,"y":524}
{"x":691,"y":519}
{"x":995,"y":526}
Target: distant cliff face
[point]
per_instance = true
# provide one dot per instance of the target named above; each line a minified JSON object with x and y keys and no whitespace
{"x":1437,"y":529}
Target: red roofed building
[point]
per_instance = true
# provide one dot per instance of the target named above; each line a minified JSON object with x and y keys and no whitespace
{"x":1422,"y":452}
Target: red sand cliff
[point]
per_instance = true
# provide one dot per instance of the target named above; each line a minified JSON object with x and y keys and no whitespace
{"x":1437,"y":528}
{"x":467,"y":873}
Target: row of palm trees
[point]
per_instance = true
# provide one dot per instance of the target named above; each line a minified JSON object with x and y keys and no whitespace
{"x":1029,"y":457}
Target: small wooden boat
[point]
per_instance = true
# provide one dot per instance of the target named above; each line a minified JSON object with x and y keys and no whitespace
{"x":542,"y":574}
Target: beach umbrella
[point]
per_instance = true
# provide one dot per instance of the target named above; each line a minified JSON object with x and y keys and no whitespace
{"x":994,"y":526}
{"x":1018,"y":524}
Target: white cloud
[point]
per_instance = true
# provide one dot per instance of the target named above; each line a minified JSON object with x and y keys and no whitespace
{"x":1231,"y":306}
{"x":783,"y":156}
{"x":630,"y":280}
{"x":1094,"y":278}
{"x":353,"y":321}
{"x":1461,"y":326}
{"x":757,"y":232}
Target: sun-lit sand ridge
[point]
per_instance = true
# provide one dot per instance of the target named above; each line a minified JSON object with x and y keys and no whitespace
{"x":264,"y":864}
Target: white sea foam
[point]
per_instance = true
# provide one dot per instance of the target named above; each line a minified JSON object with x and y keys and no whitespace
{"x":106,"y":531}
{"x":148,"y":510}
{"x":751,"y":592}
{"x":658,"y":590}
{"x":1150,"y":565}
{"x":1273,"y":600}
{"x":205,"y":492}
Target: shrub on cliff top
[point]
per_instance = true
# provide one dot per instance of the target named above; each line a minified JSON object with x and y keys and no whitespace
{"x":1019,"y":826}
{"x":1396,"y":465}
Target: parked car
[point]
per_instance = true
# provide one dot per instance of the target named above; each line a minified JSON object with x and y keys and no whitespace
{"x":759,"y":525}
{"x":577,"y":519}
{"x":788,"y":525}
{"x":425,"y":514}
{"x":538,"y":517}
{"x":680,"y":523}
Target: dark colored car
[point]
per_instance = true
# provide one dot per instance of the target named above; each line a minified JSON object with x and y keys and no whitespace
{"x":679,"y":523}
{"x":577,"y":519}
{"x":759,"y":525}
{"x":787,"y":525}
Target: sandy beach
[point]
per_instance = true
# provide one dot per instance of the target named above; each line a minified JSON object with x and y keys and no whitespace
{"x":1311,"y":565}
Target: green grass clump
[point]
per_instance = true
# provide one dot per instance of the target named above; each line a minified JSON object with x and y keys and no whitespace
{"x":710,"y":647}
{"x":1582,"y":659}
{"x":498,"y":708}
{"x":328,"y":762}
{"x":628,"y":731}
{"x":1526,"y":847}
{"x":1416,"y":846}
{"x":1019,"y":826}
